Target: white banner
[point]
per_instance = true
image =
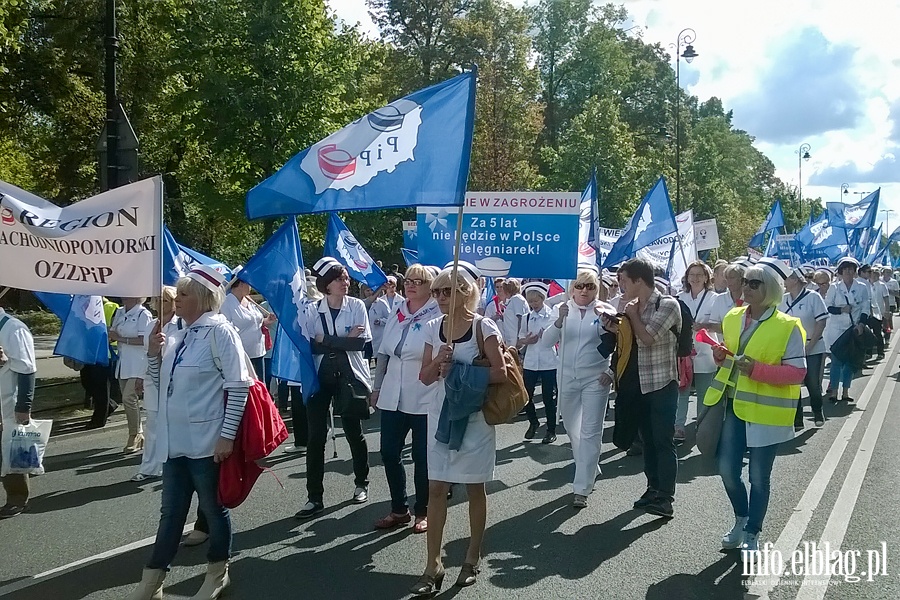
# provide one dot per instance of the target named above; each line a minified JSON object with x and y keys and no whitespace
{"x":106,"y":245}
{"x":707,"y":234}
{"x":660,"y":253}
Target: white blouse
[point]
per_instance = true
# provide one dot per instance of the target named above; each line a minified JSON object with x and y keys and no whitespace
{"x":248,"y":320}
{"x":538,"y":356}
{"x":700,"y":308}
{"x":133,"y":323}
{"x":578,"y":354}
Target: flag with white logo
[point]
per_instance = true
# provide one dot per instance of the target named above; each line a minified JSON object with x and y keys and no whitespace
{"x":653,"y":219}
{"x":83,"y":336}
{"x":855,"y":216}
{"x":413,"y":152}
{"x":341,"y":245}
{"x":774,"y":220}
{"x":178,"y":260}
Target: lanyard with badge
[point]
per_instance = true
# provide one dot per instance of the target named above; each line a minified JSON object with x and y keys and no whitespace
{"x":179,"y":356}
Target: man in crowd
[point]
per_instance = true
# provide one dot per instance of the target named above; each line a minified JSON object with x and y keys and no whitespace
{"x":655,"y":320}
{"x":894,"y":290}
{"x":17,"y":370}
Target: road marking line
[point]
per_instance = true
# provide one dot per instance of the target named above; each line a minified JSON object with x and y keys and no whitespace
{"x":814,"y":587}
{"x":52,"y":573}
{"x":793,"y":531}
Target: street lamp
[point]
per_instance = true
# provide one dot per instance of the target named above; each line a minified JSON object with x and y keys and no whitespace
{"x":887,"y":221}
{"x":686,"y":38}
{"x":802,"y":154}
{"x":845,"y":187}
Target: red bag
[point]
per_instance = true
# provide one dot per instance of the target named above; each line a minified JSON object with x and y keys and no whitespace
{"x":267,"y":337}
{"x":685,"y":373}
{"x":260,"y":432}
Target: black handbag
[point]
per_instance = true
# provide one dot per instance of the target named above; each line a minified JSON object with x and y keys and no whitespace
{"x":351,"y":398}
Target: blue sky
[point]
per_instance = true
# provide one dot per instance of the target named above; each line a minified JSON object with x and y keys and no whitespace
{"x":821,"y":72}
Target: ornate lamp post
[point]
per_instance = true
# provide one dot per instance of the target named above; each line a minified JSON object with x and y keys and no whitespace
{"x":686,"y":38}
{"x":802,"y":154}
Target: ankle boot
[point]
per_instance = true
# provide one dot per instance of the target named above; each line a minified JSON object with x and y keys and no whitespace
{"x":215,"y":583}
{"x":150,"y":587}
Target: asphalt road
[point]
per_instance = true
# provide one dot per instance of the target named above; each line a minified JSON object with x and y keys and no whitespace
{"x":88,"y":530}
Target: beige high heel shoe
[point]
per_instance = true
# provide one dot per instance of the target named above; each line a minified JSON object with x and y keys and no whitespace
{"x":135,"y":443}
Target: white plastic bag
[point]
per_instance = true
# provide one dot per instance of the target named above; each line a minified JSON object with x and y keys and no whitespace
{"x":23,"y":447}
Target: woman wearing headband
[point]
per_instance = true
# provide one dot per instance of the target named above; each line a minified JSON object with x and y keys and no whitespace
{"x":763,"y":363}
{"x":463,"y":450}
{"x":404,"y":400}
{"x":195,"y":428}
{"x":582,"y":377}
{"x":340,"y":332}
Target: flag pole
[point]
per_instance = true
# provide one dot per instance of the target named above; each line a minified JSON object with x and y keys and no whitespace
{"x":448,"y":331}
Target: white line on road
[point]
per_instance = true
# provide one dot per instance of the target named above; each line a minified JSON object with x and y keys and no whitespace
{"x":814,"y":587}
{"x":793,"y":531}
{"x":46,"y":575}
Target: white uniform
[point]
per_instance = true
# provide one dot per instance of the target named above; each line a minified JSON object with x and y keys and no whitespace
{"x":838,"y":296}
{"x":352,"y":313}
{"x":248,"y":321}
{"x":17,"y":343}
{"x":381,"y":311}
{"x":131,"y":324}
{"x":150,"y":464}
{"x":810,"y":308}
{"x":538,"y":356}
{"x":582,"y":399}
{"x":192,"y":403}
{"x":475,"y":460}
{"x":516,"y":308}
{"x":703,"y":362}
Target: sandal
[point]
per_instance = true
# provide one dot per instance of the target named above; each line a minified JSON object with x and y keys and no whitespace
{"x":421,"y":525}
{"x":468,"y":575}
{"x":392,"y":520}
{"x":428,"y":585}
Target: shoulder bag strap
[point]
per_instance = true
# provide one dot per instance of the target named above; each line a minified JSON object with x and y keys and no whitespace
{"x":3,"y":321}
{"x":479,"y":337}
{"x":700,"y":304}
{"x":799,"y":298}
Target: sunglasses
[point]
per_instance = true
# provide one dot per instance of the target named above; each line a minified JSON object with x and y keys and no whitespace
{"x":415,"y":282}
{"x":445,"y":292}
{"x":586,"y":286}
{"x":753,"y":284}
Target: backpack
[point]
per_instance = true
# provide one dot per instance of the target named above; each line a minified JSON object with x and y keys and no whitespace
{"x":504,"y":400}
{"x":684,"y":336}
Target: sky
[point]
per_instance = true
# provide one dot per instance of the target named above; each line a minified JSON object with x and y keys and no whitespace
{"x":819,"y":72}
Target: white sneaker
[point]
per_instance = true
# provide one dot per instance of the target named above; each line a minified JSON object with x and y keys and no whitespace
{"x":735,"y":537}
{"x":294,"y":449}
{"x":360,"y":495}
{"x":750,"y":547}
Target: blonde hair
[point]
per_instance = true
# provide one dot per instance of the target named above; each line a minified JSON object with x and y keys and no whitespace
{"x":418,"y":271}
{"x":210,"y":301}
{"x":467,"y":290}
{"x":586,"y":276}
{"x":166,"y":297}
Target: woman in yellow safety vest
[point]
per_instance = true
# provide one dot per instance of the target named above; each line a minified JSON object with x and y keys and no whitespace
{"x":762,"y":364}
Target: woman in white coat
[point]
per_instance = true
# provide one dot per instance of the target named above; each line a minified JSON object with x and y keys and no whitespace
{"x":540,"y":360}
{"x":248,"y":319}
{"x":582,"y":396}
{"x":404,"y":400}
{"x":698,"y":296}
{"x":472,"y":463}
{"x":129,"y":327}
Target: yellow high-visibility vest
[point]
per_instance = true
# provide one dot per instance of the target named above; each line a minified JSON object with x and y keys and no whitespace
{"x":755,"y":401}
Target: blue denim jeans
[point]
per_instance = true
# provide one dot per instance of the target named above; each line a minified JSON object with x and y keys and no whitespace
{"x":548,"y":393}
{"x":181,"y":478}
{"x":395,"y":426}
{"x":730,"y":456}
{"x":841,"y":374}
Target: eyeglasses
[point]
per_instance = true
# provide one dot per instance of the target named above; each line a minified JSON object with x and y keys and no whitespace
{"x":586,"y":286}
{"x":415,"y":282}
{"x":753,"y":284}
{"x":445,"y":292}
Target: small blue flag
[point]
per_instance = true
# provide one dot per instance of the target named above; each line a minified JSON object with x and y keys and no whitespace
{"x":413,"y":152}
{"x":410,"y":257}
{"x":653,"y":220}
{"x":855,"y":216}
{"x":276,"y":271}
{"x":178,"y":260}
{"x":84,"y":336}
{"x":773,"y":221}
{"x":341,"y":245}
{"x":589,"y":225}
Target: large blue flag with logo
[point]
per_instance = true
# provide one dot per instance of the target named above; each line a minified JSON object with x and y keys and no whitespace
{"x":178,"y":260}
{"x":276,"y":271}
{"x":821,"y":234}
{"x":855,"y":216}
{"x":774,"y":220}
{"x":413,"y":152}
{"x":342,"y":246}
{"x":653,"y":220}
{"x":83,"y":336}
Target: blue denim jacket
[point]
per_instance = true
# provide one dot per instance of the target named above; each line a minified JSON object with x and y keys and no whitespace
{"x":466,"y":388}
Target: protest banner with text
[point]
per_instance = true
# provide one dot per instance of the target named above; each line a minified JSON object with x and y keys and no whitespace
{"x":107,"y":245}
{"x":520,"y":234}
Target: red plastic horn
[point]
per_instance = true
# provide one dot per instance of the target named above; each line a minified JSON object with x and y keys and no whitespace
{"x":704,"y":337}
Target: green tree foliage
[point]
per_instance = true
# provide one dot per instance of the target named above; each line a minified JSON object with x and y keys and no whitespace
{"x":222,"y":92}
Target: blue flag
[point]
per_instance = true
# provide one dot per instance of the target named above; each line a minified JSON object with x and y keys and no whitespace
{"x":410,"y":257}
{"x":59,"y":304}
{"x":488,"y":293}
{"x":874,"y":245}
{"x":343,"y":247}
{"x":653,"y":220}
{"x":894,"y":237}
{"x":821,"y":234}
{"x":84,"y":336}
{"x":771,"y":247}
{"x":276,"y":271}
{"x":855,"y":216}
{"x":773,"y":221}
{"x":178,"y":260}
{"x":413,"y":152}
